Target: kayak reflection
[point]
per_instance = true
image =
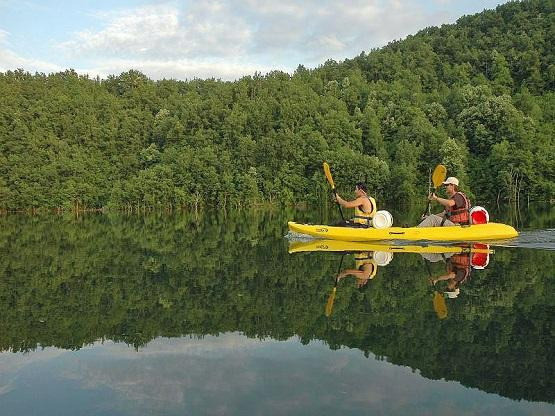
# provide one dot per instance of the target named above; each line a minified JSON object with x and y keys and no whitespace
{"x":459,"y":261}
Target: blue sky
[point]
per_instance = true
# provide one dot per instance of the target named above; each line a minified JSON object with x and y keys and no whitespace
{"x":222,"y":39}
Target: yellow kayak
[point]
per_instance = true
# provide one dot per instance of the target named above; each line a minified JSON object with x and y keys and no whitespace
{"x":479,"y":232}
{"x":357,"y":246}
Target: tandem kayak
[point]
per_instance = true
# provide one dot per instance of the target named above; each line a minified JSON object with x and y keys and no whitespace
{"x":478,"y":232}
{"x":359,"y":246}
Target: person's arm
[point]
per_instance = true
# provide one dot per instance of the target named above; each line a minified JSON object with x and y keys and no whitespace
{"x":450,"y":275}
{"x":447,"y":203}
{"x":359,"y":274}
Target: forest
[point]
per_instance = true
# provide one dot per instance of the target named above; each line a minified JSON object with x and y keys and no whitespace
{"x":477,"y":95}
{"x":69,"y":282}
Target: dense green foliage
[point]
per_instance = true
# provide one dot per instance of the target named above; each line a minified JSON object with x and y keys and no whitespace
{"x":478,"y":95}
{"x":68,"y":282}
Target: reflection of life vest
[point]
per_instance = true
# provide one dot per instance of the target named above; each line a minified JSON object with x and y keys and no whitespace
{"x":459,"y":215}
{"x":365,"y":218}
{"x":460,"y":265}
{"x":362,"y":259}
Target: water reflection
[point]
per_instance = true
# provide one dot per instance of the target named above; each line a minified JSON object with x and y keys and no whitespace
{"x":66,"y":284}
{"x":460,"y":260}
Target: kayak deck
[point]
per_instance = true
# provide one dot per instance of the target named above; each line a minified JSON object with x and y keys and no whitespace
{"x":479,"y":232}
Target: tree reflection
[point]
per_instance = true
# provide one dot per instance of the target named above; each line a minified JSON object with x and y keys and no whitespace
{"x":68,"y":282}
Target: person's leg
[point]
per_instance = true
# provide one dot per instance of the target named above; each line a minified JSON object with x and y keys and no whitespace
{"x":435,"y":257}
{"x":431,"y":221}
{"x":435,"y":221}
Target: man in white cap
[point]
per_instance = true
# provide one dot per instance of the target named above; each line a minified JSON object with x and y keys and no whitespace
{"x":456,"y":206}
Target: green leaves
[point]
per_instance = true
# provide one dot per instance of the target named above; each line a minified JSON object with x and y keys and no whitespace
{"x":448,"y":95}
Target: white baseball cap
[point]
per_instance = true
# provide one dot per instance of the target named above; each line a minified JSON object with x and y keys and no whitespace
{"x":453,"y":294}
{"x":451,"y":180}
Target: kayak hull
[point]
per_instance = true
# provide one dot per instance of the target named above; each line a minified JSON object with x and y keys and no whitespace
{"x":360,"y":246}
{"x":479,"y":232}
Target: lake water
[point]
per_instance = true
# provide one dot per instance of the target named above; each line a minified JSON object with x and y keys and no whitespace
{"x":182,"y":314}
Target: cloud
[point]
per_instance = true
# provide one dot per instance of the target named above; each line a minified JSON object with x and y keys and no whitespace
{"x":164,"y":32}
{"x":181,"y":68}
{"x":10,"y":60}
{"x":231,"y":38}
{"x":272,"y":34}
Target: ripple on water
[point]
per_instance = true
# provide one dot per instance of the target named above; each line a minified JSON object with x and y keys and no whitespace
{"x":537,"y":239}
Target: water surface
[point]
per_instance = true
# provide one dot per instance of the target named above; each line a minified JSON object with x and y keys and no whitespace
{"x":210,"y":314}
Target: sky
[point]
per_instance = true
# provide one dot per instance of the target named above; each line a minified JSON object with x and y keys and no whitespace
{"x":223,"y":39}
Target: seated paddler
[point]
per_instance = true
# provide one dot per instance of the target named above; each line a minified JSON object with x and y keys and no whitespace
{"x":456,"y":206}
{"x":364,"y":205}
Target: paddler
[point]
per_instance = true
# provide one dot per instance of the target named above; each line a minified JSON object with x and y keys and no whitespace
{"x":456,"y":206}
{"x":364,"y":205}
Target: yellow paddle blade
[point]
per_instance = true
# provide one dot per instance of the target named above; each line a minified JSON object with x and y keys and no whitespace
{"x":327,"y":172}
{"x":329,"y":305}
{"x":439,"y":175}
{"x":439,"y":305}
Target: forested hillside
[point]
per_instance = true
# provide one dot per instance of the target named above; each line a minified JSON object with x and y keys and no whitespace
{"x":478,"y":95}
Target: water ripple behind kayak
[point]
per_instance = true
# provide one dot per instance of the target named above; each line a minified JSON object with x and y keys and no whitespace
{"x":537,"y":239}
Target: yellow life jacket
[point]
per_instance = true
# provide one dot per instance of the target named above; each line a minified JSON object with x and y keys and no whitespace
{"x":361,"y":259}
{"x":365,"y":218}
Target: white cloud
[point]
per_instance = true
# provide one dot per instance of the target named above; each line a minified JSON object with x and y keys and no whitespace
{"x":256,"y":28}
{"x":231,"y":38}
{"x":181,"y":68}
{"x":164,"y":32}
{"x":10,"y":60}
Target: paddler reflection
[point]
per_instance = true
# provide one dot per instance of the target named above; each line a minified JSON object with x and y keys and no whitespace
{"x":459,"y":269}
{"x":459,"y":259}
{"x":366,"y":266}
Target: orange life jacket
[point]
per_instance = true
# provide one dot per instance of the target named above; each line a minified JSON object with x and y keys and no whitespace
{"x":459,"y":215}
{"x":460,"y":263}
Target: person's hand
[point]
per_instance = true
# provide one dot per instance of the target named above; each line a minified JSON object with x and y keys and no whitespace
{"x":337,"y":198}
{"x":432,"y":197}
{"x":361,"y":282}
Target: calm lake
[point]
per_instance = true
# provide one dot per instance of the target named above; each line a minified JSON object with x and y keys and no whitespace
{"x":211,"y":314}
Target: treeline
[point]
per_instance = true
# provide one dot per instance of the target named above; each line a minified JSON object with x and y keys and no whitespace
{"x":478,"y":95}
{"x":69,"y":282}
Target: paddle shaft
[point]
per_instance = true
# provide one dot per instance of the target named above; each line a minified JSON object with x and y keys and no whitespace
{"x":331,"y":299}
{"x":327,"y":172}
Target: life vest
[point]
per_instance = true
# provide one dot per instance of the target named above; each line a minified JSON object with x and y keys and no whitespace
{"x":460,"y":265}
{"x":459,"y":215}
{"x":362,"y":259}
{"x":365,"y":218}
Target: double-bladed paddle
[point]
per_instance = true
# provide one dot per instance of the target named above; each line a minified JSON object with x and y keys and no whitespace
{"x":327,"y":172}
